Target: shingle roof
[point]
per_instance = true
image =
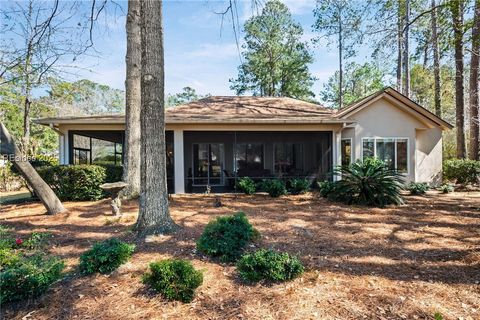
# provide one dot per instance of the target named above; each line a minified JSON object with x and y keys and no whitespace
{"x":228,"y":109}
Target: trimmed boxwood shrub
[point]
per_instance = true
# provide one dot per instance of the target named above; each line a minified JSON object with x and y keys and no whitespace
{"x":462,"y":171}
{"x":446,"y":188}
{"x":274,"y":187}
{"x":113,"y":173}
{"x":269,"y":265}
{"x":75,"y":182}
{"x":298,"y":185}
{"x":325,"y":188}
{"x":418,"y":188}
{"x":226,"y":237}
{"x":29,"y":277}
{"x":106,"y":256}
{"x":246,"y":185}
{"x":174,"y":279}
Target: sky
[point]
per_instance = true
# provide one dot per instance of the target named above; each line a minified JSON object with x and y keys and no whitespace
{"x":199,"y":51}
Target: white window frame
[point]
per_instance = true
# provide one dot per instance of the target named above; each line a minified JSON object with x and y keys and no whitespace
{"x":351,"y":149}
{"x":395,"y":141}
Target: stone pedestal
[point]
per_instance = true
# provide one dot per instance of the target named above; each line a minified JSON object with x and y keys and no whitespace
{"x":114,"y":190}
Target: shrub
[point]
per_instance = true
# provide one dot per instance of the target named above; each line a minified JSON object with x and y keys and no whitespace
{"x":37,"y":240}
{"x":269,"y":265}
{"x":325,"y":188}
{"x":75,"y":182}
{"x":113,"y":173}
{"x":446,"y":188}
{"x":226,"y":237}
{"x":368,"y":182}
{"x":29,"y":277}
{"x":417,"y":188}
{"x":246,"y":185}
{"x":298,"y":186}
{"x":174,"y":279}
{"x":462,"y":171}
{"x":105,"y":256}
{"x":274,"y":187}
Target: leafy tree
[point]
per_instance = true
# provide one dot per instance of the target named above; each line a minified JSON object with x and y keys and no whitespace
{"x":84,"y":97}
{"x":339,"y":21}
{"x":359,"y":81}
{"x":187,"y":95}
{"x":275,"y":59}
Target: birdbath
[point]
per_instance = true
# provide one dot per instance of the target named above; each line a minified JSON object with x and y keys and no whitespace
{"x":114,"y":190}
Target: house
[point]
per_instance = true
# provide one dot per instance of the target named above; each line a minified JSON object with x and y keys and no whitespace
{"x":213,"y":141}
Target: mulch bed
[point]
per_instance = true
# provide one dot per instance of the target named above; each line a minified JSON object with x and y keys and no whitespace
{"x":406,"y":262}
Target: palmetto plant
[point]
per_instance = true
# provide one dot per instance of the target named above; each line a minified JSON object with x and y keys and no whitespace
{"x":368,"y":182}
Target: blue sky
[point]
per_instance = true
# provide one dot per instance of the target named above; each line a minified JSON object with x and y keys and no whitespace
{"x":198,"y":52}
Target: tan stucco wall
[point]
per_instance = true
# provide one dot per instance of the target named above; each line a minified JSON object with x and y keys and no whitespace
{"x":384,"y":120}
{"x":429,"y":156}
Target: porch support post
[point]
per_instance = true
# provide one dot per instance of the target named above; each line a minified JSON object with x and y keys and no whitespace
{"x":178,"y":156}
{"x":337,"y":153}
{"x":66,"y":148}
{"x":61,"y":149}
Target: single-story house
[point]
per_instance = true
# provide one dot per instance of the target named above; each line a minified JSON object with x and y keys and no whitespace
{"x":213,"y":141}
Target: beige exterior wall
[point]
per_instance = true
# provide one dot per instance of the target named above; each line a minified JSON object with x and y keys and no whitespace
{"x":384,"y":120}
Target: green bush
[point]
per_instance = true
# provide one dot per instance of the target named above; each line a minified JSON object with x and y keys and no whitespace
{"x":37,"y":240}
{"x":269,"y":265}
{"x":39,"y":161}
{"x":105,"y":256}
{"x":174,"y":279}
{"x":368,"y":182}
{"x":274,"y":187}
{"x":113,"y":173}
{"x":298,"y":185}
{"x":246,"y":185}
{"x":446,"y":188}
{"x":75,"y":182}
{"x":325,"y":188}
{"x":462,"y":171}
{"x":418,"y":188}
{"x":29,"y":277}
{"x":226,"y":237}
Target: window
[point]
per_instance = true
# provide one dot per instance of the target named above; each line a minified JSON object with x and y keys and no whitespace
{"x":87,"y":150}
{"x":392,"y":151}
{"x":249,"y":158}
{"x":288,"y":159}
{"x":346,"y":152}
{"x":208,"y":163}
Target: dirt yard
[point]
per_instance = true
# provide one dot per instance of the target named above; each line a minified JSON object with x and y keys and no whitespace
{"x":405,"y":262}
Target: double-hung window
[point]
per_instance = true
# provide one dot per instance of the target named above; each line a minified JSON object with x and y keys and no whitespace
{"x":392,"y":151}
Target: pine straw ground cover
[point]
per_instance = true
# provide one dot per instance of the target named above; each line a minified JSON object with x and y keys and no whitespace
{"x":405,"y":262}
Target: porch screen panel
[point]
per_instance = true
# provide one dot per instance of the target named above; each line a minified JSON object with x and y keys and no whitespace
{"x":103,"y":152}
{"x":288,"y":159}
{"x":216,"y":163}
{"x":249,"y":159}
{"x":200,"y":163}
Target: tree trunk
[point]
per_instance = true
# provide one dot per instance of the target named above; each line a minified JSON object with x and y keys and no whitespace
{"x":456,"y":7}
{"x":474,"y":85}
{"x":406,"y":55}
{"x":154,"y":216}
{"x":399,"y":46}
{"x":340,"y":54}
{"x":436,"y":62}
{"x":19,"y":160}
{"x":133,"y":95}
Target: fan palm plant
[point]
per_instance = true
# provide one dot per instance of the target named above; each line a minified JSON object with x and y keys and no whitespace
{"x":368,"y":182}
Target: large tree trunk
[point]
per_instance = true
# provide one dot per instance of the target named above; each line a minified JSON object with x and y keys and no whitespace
{"x":474,"y":85}
{"x":133,"y":94}
{"x":340,"y":54}
{"x":19,"y":160}
{"x":406,"y":54}
{"x":436,"y":61}
{"x":154,"y":216}
{"x":399,"y":46}
{"x":456,"y":7}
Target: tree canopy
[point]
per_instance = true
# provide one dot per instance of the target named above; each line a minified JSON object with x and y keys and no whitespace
{"x":276,"y":60}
